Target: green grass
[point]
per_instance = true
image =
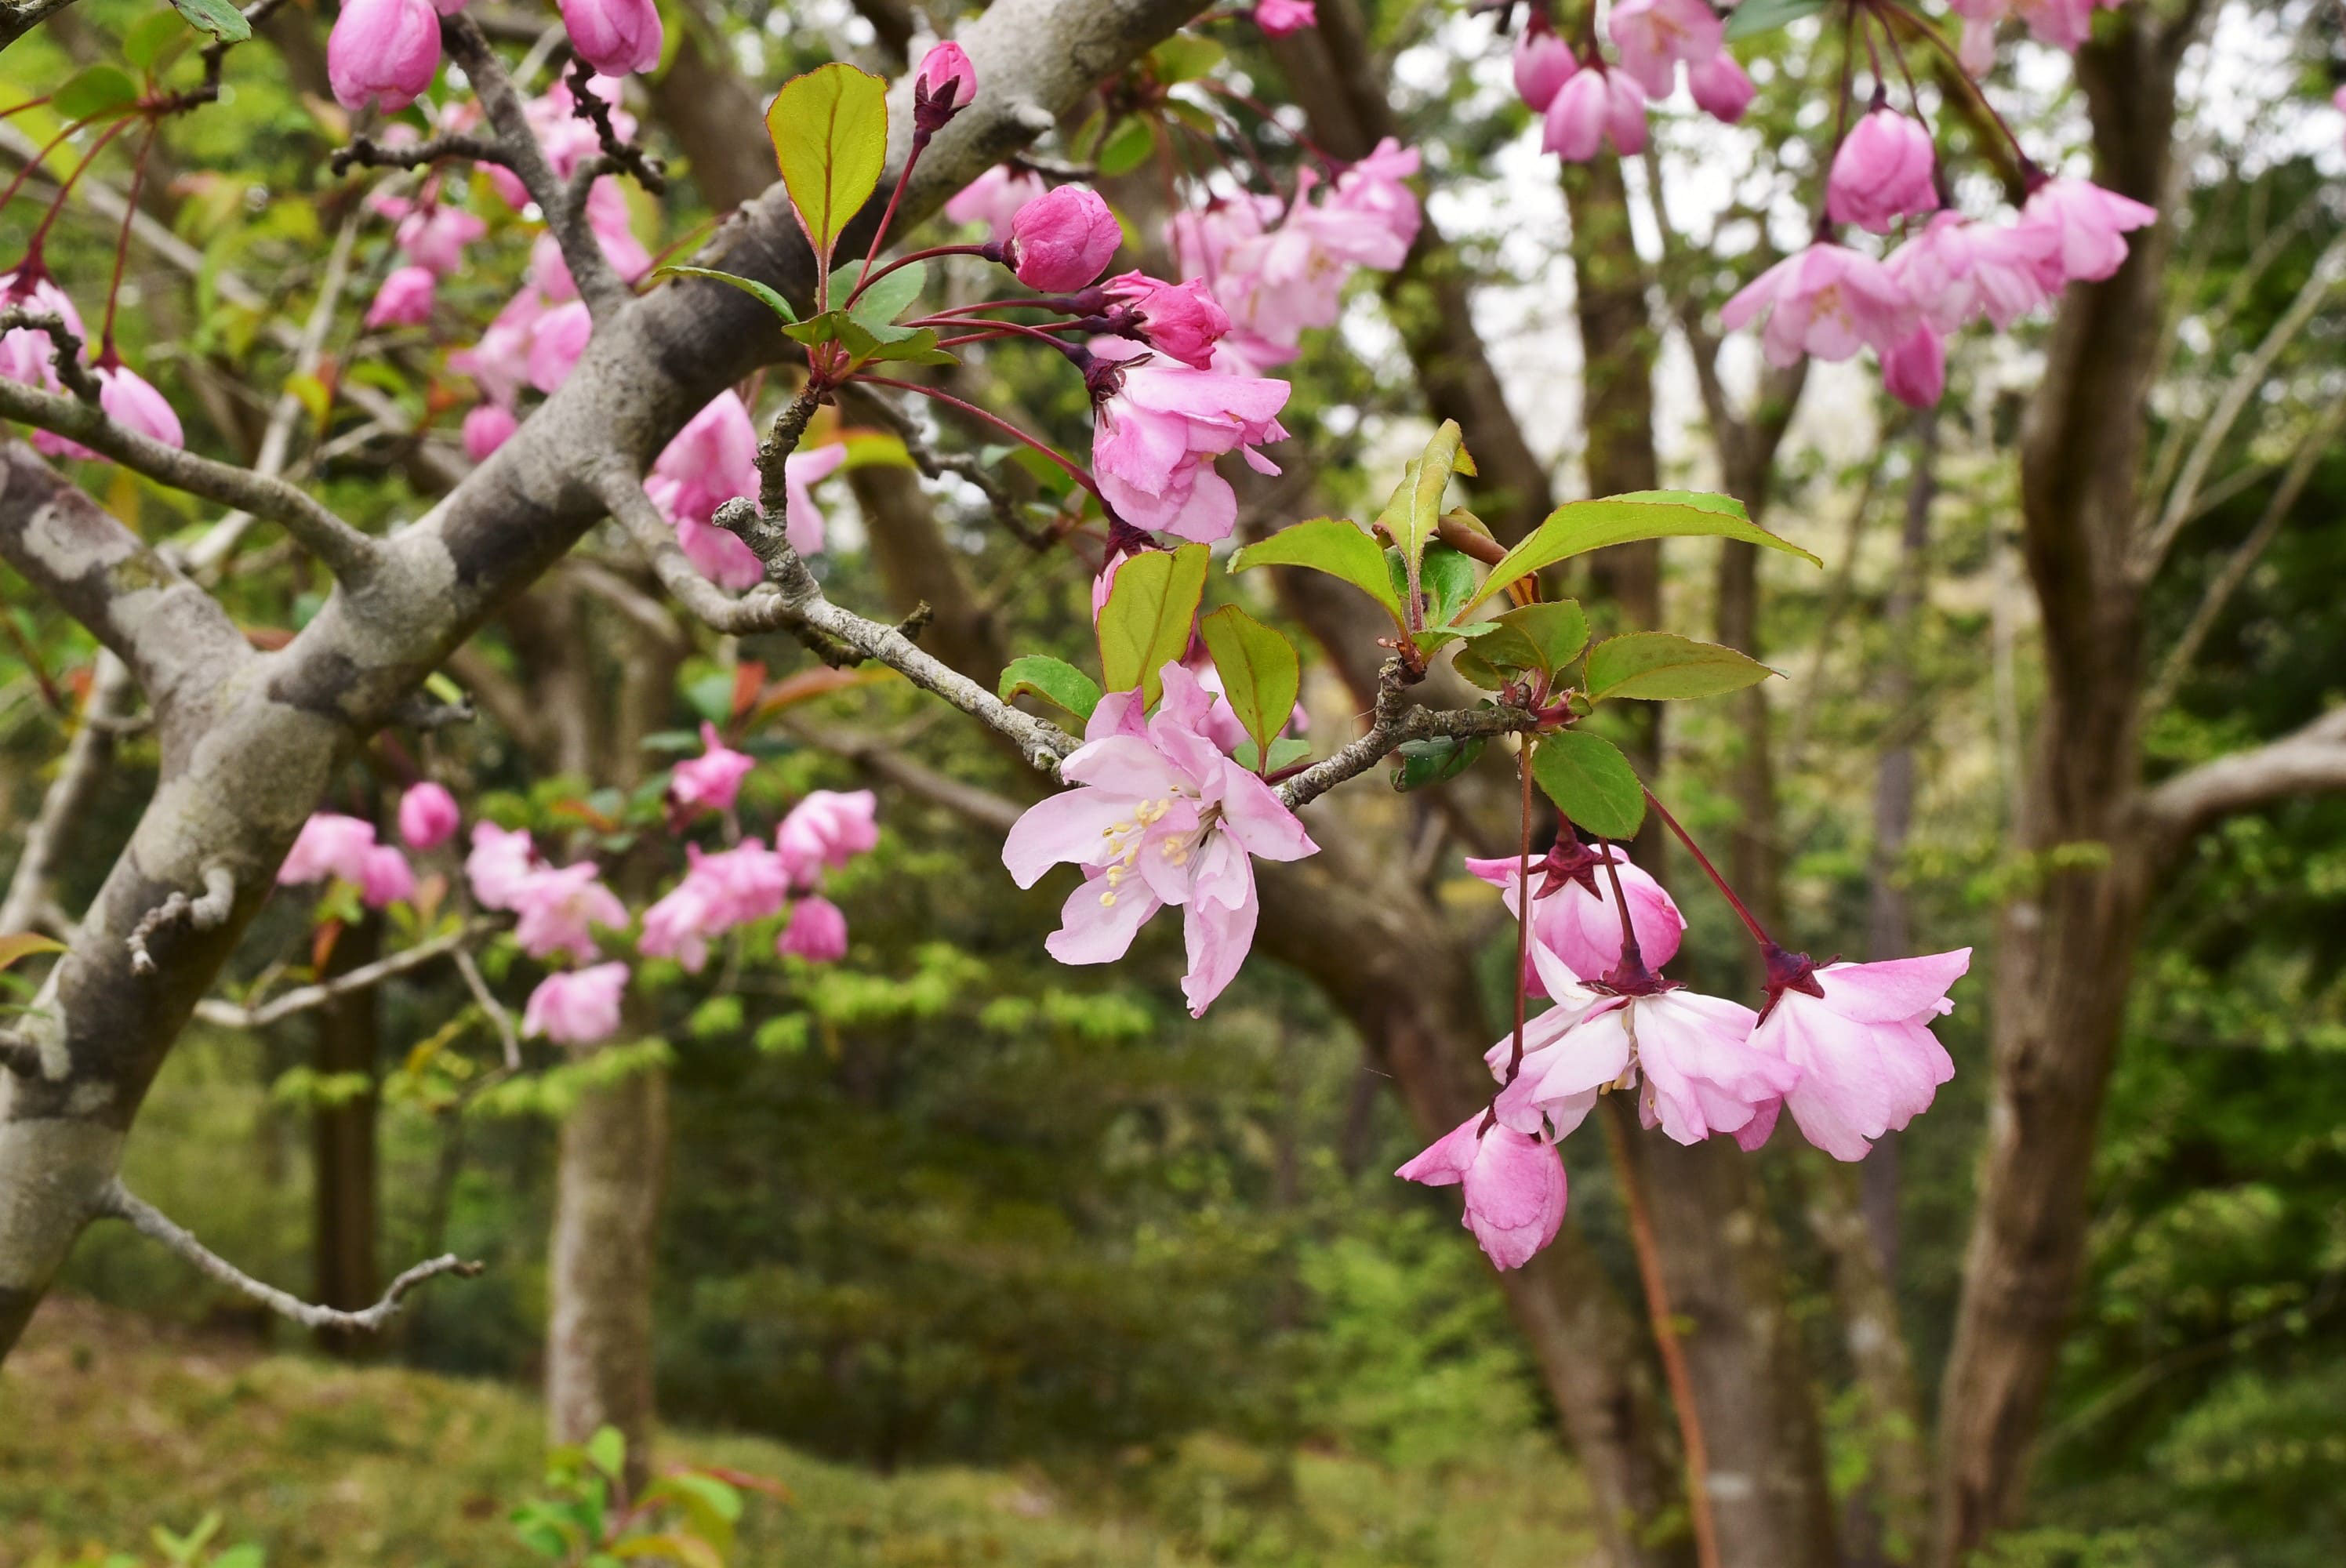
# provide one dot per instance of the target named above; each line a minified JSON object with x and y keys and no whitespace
{"x":111,"y":1423}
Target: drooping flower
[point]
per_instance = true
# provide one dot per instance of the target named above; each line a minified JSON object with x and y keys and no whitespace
{"x":817,"y":932}
{"x":500,"y":359}
{"x":383,"y":52}
{"x":557,"y":904}
{"x":1181,"y":320}
{"x":1861,"y":1042}
{"x":576,"y":1007}
{"x":710,"y":780}
{"x":500,"y":861}
{"x":1882,"y":173}
{"x":27,"y":355}
{"x":130,"y":400}
{"x":1542,"y":63}
{"x":614,"y":36}
{"x":1573,"y":912}
{"x":427,"y":815}
{"x":487,"y":426}
{"x":1514,"y":1187}
{"x":1721,"y":87}
{"x":404,"y":300}
{"x":1915,"y":371}
{"x":329,"y":845}
{"x":1654,"y":36}
{"x":994,"y":197}
{"x":825,"y":830}
{"x":1159,"y":427}
{"x":1826,"y":301}
{"x":1597,"y":105}
{"x":1159,"y":817}
{"x":2086,"y":224}
{"x":1280,"y":17}
{"x":384,"y":878}
{"x":1063,"y":239}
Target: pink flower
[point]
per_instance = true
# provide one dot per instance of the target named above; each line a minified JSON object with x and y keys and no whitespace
{"x":1515,"y":1186}
{"x":130,"y":400}
{"x":801,"y":472}
{"x":384,"y":878}
{"x":817,"y":932}
{"x":556,"y":343}
{"x":383,"y":52}
{"x":26,"y":356}
{"x":2064,"y":23}
{"x":1370,"y":217}
{"x":1935,"y":269}
{"x":1826,"y":301}
{"x":436,"y":236}
{"x":329,"y":845}
{"x":1573,"y":912}
{"x":1596,"y":105}
{"x":1063,"y":239}
{"x":994,"y":197}
{"x":1160,"y":426}
{"x":1915,"y":371}
{"x":1160,"y":817}
{"x":404,"y":300}
{"x":500,"y":361}
{"x":1975,"y":51}
{"x":556,"y":906}
{"x":1721,"y":89}
{"x":1280,"y":17}
{"x":487,"y":428}
{"x":710,"y":779}
{"x":1866,"y":1059}
{"x":1654,"y":36}
{"x":942,"y":86}
{"x":427,"y":815}
{"x":614,"y":36}
{"x":1542,"y":64}
{"x":501,"y":860}
{"x":1881,"y":173}
{"x":2085,"y":223}
{"x":826,"y":831}
{"x":1181,"y":320}
{"x":577,"y":1008}
{"x":745,"y":883}
{"x":713,"y":459}
{"x":612,"y":225}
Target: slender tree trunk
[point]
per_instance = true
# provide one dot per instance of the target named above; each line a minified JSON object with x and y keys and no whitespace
{"x":346,"y":1203}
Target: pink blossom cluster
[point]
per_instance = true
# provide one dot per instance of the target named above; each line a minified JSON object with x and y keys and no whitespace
{"x":432,"y":236}
{"x":713,"y":459}
{"x":383,"y":53}
{"x":1161,"y":815}
{"x":750,"y":882}
{"x":28,"y":356}
{"x":344,"y":848}
{"x":1846,"y":1047}
{"x":1586,"y":103}
{"x":2064,"y":23}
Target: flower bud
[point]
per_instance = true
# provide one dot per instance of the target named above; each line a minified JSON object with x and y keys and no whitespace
{"x":1279,"y":17}
{"x":1181,"y":320}
{"x":817,"y":932}
{"x":487,"y":428}
{"x":404,"y":300}
{"x":129,"y":399}
{"x":383,"y":52}
{"x":1915,"y":371}
{"x":614,"y":36}
{"x":427,"y":815}
{"x":1544,"y":62}
{"x":1881,"y":173}
{"x":1721,"y":89}
{"x":384,"y":878}
{"x":942,"y":86}
{"x":1063,"y":239}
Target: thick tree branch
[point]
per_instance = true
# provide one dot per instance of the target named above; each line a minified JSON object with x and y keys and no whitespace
{"x":117,"y":1202}
{"x":21,"y":18}
{"x":234,"y":1016}
{"x":2306,"y":762}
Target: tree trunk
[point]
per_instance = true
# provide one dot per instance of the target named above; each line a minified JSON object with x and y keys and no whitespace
{"x":346,"y":1203}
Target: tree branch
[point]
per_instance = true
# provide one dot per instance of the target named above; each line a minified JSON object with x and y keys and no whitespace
{"x":65,"y":349}
{"x":365,"y":152}
{"x":234,"y":1016}
{"x":206,"y":912}
{"x":21,"y":18}
{"x":618,"y":152}
{"x":1396,"y":722}
{"x":2306,"y":762}
{"x":117,"y":1202}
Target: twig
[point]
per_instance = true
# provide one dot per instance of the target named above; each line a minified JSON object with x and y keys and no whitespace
{"x":117,"y":1202}
{"x":66,"y":347}
{"x":417,"y":710}
{"x":233,"y":1015}
{"x":205,"y":911}
{"x":1397,"y":721}
{"x":587,"y":104}
{"x":1007,"y":509}
{"x":486,"y":1000}
{"x":367,"y":153}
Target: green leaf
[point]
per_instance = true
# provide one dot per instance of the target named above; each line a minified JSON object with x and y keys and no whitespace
{"x":916,"y":345}
{"x":1333,"y":546}
{"x":1053,"y":681}
{"x":1577,"y":527}
{"x":1590,"y":782}
{"x":146,"y":39}
{"x":1145,"y":625}
{"x":1449,"y":578}
{"x":1184,"y":57}
{"x":607,"y":1450}
{"x":1705,"y":499}
{"x":1415,"y":512}
{"x":1754,"y":17}
{"x":1556,"y":631}
{"x":889,"y":296}
{"x":1658,"y":666}
{"x":1505,"y":650}
{"x":1260,"y":674}
{"x":829,"y":130}
{"x":1133,"y":139}
{"x":759,"y":291}
{"x":1424,"y":762}
{"x":99,"y":90}
{"x":217,"y":17}
{"x":19,"y":944}
{"x":1285,"y":752}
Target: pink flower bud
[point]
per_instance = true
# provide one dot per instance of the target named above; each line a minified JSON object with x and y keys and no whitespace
{"x":427,"y":815}
{"x":942,"y":86}
{"x":1595,"y":107}
{"x":1063,"y":239}
{"x":1279,"y":17}
{"x":384,"y":878}
{"x":404,"y":300}
{"x":1915,"y":371}
{"x":817,"y":932}
{"x":383,"y":52}
{"x":1544,"y":62}
{"x":131,"y":402}
{"x":1881,"y":173}
{"x":614,"y":36}
{"x":1720,"y":88}
{"x":488,"y":428}
{"x":1181,"y":320}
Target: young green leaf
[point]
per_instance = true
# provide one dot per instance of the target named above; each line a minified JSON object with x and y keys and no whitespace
{"x":1260,"y":674}
{"x":1052,"y":679}
{"x":1506,"y":650}
{"x":99,"y":90}
{"x":1424,"y":762}
{"x":1184,"y":57}
{"x":1658,"y":666}
{"x":1590,"y":782}
{"x":1129,"y":146}
{"x":1579,"y":527}
{"x":221,"y":19}
{"x":607,"y":1450}
{"x":1557,"y":629}
{"x":759,"y":291}
{"x":890,"y":295}
{"x":145,"y":41}
{"x":829,"y":130}
{"x":1448,"y":576}
{"x":1145,"y":625}
{"x":1285,"y":752}
{"x":1333,"y":546}
{"x":1415,"y":512}
{"x":1756,"y":16}
{"x":19,"y":944}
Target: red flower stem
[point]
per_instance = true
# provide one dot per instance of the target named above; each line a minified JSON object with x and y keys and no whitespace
{"x":66,"y":189}
{"x":1749,"y":923}
{"x":1633,"y":961}
{"x":122,"y":240}
{"x":1522,"y":907}
{"x":1074,"y":471}
{"x":1929,"y":36}
{"x":20,"y":108}
{"x":911,"y":255}
{"x":1666,"y":1345}
{"x":34,"y":163}
{"x":880,"y":235}
{"x":1002,"y":329}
